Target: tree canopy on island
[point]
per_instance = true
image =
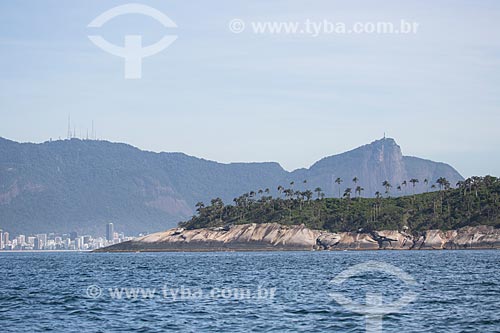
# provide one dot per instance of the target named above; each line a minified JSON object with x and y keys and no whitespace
{"x":471,"y":202}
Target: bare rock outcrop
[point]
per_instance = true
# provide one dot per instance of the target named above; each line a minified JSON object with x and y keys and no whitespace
{"x":245,"y":237}
{"x":480,"y":237}
{"x":273,"y":236}
{"x":396,"y":240}
{"x":346,"y":241}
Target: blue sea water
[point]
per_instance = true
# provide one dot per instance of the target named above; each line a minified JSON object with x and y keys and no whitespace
{"x":457,"y":291}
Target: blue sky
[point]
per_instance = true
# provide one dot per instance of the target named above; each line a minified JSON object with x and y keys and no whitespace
{"x":245,"y":97}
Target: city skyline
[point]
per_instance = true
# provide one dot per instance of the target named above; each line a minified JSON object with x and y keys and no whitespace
{"x":53,"y":241}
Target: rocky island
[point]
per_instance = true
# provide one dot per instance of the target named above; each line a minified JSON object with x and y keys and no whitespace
{"x":462,"y":217}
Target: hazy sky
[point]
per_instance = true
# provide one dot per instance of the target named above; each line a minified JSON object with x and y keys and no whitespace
{"x":247,"y":97}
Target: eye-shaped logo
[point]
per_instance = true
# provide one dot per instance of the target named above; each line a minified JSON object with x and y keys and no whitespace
{"x":374,"y":309}
{"x":132,"y":51}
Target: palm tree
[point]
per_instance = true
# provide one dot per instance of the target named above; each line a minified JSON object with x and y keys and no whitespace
{"x":414,"y":181}
{"x":355,"y":180}
{"x":443,"y":183}
{"x":280,"y":189}
{"x":426,"y":182}
{"x":339,"y":181}
{"x":288,"y":195}
{"x":358,"y":190}
{"x":199,"y":206}
{"x":218,"y":206}
{"x":318,"y":191}
{"x":300,"y":197}
{"x":387,"y":186}
{"x":347,"y":193}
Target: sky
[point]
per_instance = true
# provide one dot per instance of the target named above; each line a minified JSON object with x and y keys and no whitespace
{"x":240,"y":97}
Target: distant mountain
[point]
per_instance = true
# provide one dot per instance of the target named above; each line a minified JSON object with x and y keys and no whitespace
{"x":372,"y":164}
{"x":79,"y":185}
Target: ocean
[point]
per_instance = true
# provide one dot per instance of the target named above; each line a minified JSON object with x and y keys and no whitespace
{"x":365,"y":291}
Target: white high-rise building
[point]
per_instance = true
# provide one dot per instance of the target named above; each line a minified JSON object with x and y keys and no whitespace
{"x":110,"y":232}
{"x":31,"y":240}
{"x":43,"y":240}
{"x":78,"y":243}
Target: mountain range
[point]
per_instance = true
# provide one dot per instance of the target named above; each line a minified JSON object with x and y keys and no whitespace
{"x":80,"y":185}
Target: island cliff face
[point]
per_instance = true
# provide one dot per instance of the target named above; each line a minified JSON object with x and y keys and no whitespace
{"x":273,"y":236}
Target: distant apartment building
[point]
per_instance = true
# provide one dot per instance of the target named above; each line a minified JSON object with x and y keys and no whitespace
{"x":6,"y":240}
{"x":42,"y":240}
{"x":37,"y":244}
{"x":110,"y":232}
{"x":87,"y":239}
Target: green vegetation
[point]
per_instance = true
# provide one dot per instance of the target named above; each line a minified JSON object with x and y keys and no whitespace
{"x":474,"y":201}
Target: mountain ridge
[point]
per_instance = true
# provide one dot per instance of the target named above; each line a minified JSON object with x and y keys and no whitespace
{"x":80,"y":185}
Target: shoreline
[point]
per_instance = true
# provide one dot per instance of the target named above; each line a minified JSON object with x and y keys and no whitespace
{"x":41,"y":251}
{"x":277,"y":237}
{"x":291,"y":250}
